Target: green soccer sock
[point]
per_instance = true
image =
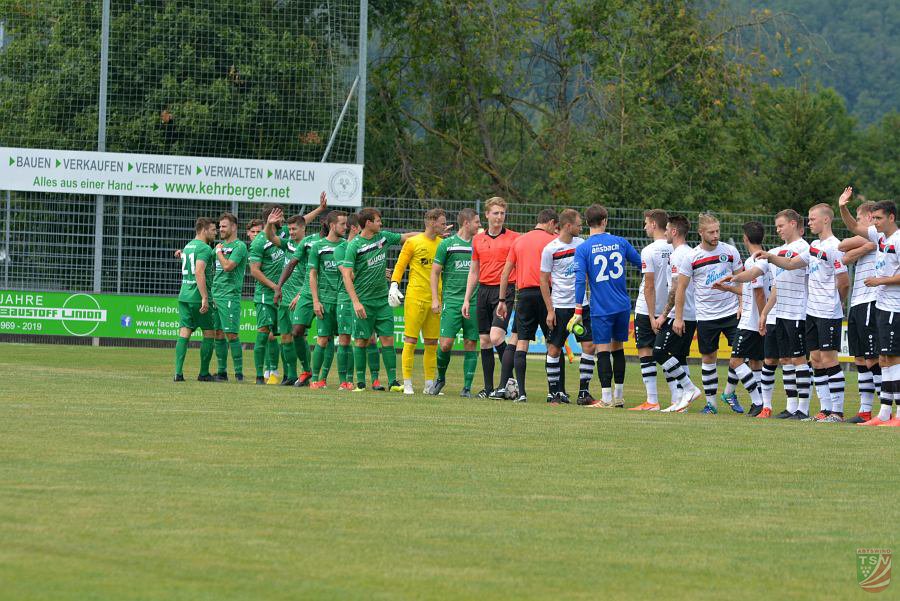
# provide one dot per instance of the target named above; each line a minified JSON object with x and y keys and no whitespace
{"x":259,"y":352}
{"x":317,"y":359}
{"x":372,"y":355}
{"x":272,"y":353}
{"x":207,"y":347}
{"x":181,"y":346}
{"x":221,"y":355}
{"x":289,"y":358}
{"x":359,"y":358}
{"x":237,"y":355}
{"x":342,"y":363}
{"x":329,"y":358}
{"x":470,"y":362}
{"x":389,"y":357}
{"x":348,"y":354}
{"x":443,"y":362}
{"x":302,"y":347}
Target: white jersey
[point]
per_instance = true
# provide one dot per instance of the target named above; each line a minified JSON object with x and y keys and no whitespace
{"x":655,"y":260}
{"x":705,"y":268}
{"x":888,"y":266}
{"x":864,"y":268}
{"x":824,"y":262}
{"x":678,"y":254}
{"x":749,"y":309}
{"x":791,"y":290}
{"x":558,"y":259}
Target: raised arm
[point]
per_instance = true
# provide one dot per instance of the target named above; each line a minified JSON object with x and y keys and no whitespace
{"x":855,"y":253}
{"x":849,"y":220}
{"x":323,"y":204}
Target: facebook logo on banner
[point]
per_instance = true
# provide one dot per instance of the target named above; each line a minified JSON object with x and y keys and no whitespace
{"x":125,"y":321}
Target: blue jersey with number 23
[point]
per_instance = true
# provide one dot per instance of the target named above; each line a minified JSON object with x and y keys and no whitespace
{"x":600,"y":264}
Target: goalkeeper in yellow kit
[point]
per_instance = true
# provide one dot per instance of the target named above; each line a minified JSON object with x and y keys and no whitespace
{"x":418,"y":253}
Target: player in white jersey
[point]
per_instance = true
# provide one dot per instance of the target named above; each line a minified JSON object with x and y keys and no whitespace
{"x":886,"y":235}
{"x":862,"y":335}
{"x":789,"y":292}
{"x":558,"y":291}
{"x":650,"y":301}
{"x":747,"y":352}
{"x":716,"y":309}
{"x":672,"y":345}
{"x":828,"y":286}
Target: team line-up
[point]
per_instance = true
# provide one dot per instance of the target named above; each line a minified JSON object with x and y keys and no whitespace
{"x":781,"y":307}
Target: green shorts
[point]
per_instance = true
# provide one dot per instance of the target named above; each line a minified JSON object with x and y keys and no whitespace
{"x":191,"y":318}
{"x":285,"y":323}
{"x":379,"y":319}
{"x":266,"y":317}
{"x":328,"y":324}
{"x":346,"y":318}
{"x":228,"y":315}
{"x":452,"y":321}
{"x":303,"y":313}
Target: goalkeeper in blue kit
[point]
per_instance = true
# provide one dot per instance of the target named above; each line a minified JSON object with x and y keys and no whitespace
{"x":600,"y":264}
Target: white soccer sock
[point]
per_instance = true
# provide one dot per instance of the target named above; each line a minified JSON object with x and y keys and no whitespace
{"x":803,"y":387}
{"x":767,"y":381}
{"x":820,"y":378}
{"x":674,"y":390}
{"x":836,"y":389}
{"x":790,"y":386}
{"x":620,"y":391}
{"x":710,"y":377}
{"x":648,"y":375}
{"x":606,"y":394}
{"x":866,"y":385}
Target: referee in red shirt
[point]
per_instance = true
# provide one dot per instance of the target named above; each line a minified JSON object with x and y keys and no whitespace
{"x":489,"y":250}
{"x":531,"y":311}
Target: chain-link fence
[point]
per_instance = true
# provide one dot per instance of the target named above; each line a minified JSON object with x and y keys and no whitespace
{"x":49,"y":241}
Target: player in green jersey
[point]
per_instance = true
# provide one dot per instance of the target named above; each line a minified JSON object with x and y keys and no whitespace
{"x":231,"y":262}
{"x":451,"y":263}
{"x":325,"y":282}
{"x":363,"y":270}
{"x":266,"y":263}
{"x":194,"y":309}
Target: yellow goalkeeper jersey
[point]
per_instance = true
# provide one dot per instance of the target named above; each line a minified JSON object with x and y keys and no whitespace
{"x":417,"y":253}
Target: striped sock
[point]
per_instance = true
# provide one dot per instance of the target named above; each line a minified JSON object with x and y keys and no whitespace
{"x":731,"y":385}
{"x":866,"y":388}
{"x":648,"y":374}
{"x":748,"y":379}
{"x":803,"y":387}
{"x":767,"y":383}
{"x":710,"y":378}
{"x":836,"y":386}
{"x":585,"y":371}
{"x":820,"y":380}
{"x":788,"y":375}
{"x":552,"y":366}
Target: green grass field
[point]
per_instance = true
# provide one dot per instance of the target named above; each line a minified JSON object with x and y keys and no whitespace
{"x":118,"y":484}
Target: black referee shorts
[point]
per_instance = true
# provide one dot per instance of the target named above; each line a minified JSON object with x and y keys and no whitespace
{"x":486,"y":310}
{"x":531,"y":313}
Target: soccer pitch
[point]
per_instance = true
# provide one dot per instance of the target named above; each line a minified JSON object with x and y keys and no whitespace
{"x":119,"y":484}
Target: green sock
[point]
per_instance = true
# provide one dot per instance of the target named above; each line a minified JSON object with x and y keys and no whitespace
{"x":272,"y":353}
{"x":317,"y":359}
{"x":470,"y":362}
{"x":443,"y":362}
{"x":372,"y":355}
{"x":222,"y":355}
{"x":389,"y":357}
{"x":348,"y":354}
{"x":207,"y":347}
{"x":237,"y":355}
{"x":259,"y":352}
{"x":329,"y":357}
{"x":289,"y":358}
{"x":181,"y":346}
{"x":302,"y":346}
{"x":342,"y":363}
{"x":359,"y":358}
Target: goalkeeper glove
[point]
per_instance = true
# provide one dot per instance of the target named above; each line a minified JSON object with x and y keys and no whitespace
{"x":395,"y":297}
{"x":575,"y":323}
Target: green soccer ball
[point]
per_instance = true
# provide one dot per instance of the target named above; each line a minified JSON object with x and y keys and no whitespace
{"x":578,"y":329}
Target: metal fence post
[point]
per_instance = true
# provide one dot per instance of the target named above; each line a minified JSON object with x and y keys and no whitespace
{"x":119,"y":245}
{"x":101,"y":147}
{"x":361,"y":92}
{"x":7,"y":238}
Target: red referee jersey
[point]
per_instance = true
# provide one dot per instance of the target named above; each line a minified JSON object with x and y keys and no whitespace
{"x":491,"y":252}
{"x":526,"y":254}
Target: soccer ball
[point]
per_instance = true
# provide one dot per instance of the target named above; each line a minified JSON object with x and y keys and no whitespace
{"x":512,"y":389}
{"x":578,"y":329}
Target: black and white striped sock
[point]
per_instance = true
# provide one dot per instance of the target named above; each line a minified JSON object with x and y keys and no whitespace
{"x":710,"y":378}
{"x":803,"y":387}
{"x":648,"y":375}
{"x":767,"y":383}
{"x":552,"y":374}
{"x":866,"y":388}
{"x":731,"y":384}
{"x":585,"y":371}
{"x":789,"y":376}
{"x":836,"y":386}
{"x":748,"y":379}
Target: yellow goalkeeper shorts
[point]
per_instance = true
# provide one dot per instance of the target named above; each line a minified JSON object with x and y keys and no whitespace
{"x":417,"y":317}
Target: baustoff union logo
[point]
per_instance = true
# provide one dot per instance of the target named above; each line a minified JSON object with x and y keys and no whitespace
{"x":873,"y":569}
{"x":81,"y":314}
{"x":343,"y":185}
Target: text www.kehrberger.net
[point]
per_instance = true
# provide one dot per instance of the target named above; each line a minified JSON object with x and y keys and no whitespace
{"x":216,"y":189}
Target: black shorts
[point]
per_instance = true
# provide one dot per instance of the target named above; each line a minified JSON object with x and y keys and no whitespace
{"x":770,"y":343}
{"x":748,"y":345}
{"x":708,"y":333}
{"x":531,"y":313}
{"x":862,"y":333}
{"x":790,"y":336}
{"x":486,"y":311}
{"x":559,"y":334}
{"x":823,"y":334}
{"x":672,"y":343}
{"x":644,"y":337}
{"x":888,"y":324}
